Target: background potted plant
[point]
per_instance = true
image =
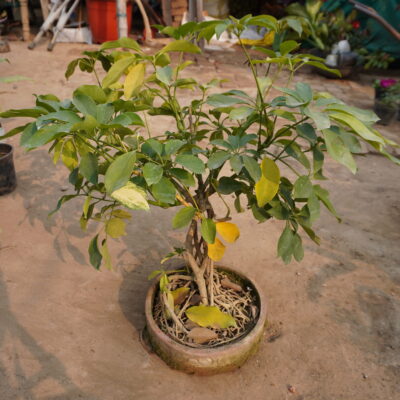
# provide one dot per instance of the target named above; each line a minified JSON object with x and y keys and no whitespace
{"x":327,"y":34}
{"x":254,"y":152}
{"x":387,"y":99}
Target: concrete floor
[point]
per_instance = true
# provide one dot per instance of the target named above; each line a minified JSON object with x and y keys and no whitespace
{"x":69,"y":332}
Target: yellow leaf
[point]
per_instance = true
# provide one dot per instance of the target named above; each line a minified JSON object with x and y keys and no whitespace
{"x":216,"y":250}
{"x":267,"y":187}
{"x":115,"y":227}
{"x":210,"y":316}
{"x":131,"y":196}
{"x":229,"y":231}
{"x":106,"y":256}
{"x":134,"y":80}
{"x":179,"y":295}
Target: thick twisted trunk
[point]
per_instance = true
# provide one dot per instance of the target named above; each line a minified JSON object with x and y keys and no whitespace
{"x":197,"y":260}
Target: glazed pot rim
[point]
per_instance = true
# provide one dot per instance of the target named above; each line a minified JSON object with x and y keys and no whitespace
{"x":9,"y":149}
{"x":225,"y":348}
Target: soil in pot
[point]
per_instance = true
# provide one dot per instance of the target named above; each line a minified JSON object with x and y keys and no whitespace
{"x":8,"y":180}
{"x":231,"y":295}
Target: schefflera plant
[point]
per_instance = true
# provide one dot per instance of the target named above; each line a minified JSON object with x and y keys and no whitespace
{"x":227,"y":144}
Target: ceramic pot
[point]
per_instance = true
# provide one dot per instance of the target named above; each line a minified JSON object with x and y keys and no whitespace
{"x":206,"y":361}
{"x":8,"y":180}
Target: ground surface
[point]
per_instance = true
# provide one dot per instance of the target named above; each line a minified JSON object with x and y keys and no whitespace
{"x":69,"y":332}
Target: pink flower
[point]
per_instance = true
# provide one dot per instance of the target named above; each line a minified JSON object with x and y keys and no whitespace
{"x":386,"y":83}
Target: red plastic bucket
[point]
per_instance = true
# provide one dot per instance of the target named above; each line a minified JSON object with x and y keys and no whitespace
{"x":102,"y":16}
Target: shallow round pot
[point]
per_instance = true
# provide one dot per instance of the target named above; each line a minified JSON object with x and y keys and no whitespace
{"x":8,"y":180}
{"x":205,"y":361}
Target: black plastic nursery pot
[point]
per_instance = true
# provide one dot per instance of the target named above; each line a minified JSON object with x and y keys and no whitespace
{"x":385,"y":112}
{"x":8,"y":180}
{"x":206,"y":361}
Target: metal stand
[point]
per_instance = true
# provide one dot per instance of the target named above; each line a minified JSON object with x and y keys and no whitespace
{"x":61,"y":10}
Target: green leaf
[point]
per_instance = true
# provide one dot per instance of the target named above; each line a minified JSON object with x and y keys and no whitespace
{"x":298,"y":251}
{"x":285,"y":245}
{"x":284,"y":114}
{"x":295,"y":24}
{"x":320,"y":119}
{"x":303,"y":188}
{"x":307,"y":131}
{"x":89,"y":124}
{"x":268,"y":185}
{"x":217,"y":159}
{"x":323,"y":195}
{"x":61,"y":201}
{"x":322,"y":66}
{"x":116,"y":71}
{"x":240,"y":113}
{"x":24,"y":112}
{"x":126,"y":119}
{"x":104,"y":113}
{"x":94,"y":253}
{"x":210,"y":316}
{"x":134,"y":80}
{"x":84,"y":104}
{"x":191,"y":162}
{"x":318,"y":162}
{"x":164,"y":75}
{"x":252,"y":168}
{"x":183,"y":217}
{"x":227,"y":185}
{"x":172,"y":146}
{"x":366,"y":116}
{"x":236,"y":163}
{"x":221,"y":100}
{"x":152,"y":147}
{"x":131,"y":196}
{"x":14,"y":131}
{"x":93,"y":91}
{"x":304,"y":91}
{"x":63,"y":115}
{"x":183,"y":176}
{"x":338,"y":150}
{"x":288,"y":46}
{"x":164,"y":191}
{"x":71,"y":68}
{"x":152,"y":173}
{"x":180,"y":45}
{"x":295,"y":151}
{"x":163,"y":59}
{"x":357,"y":126}
{"x":46,"y":134}
{"x":119,"y":171}
{"x":313,"y":206}
{"x":124,"y":42}
{"x":88,"y":167}
{"x":208,"y":230}
{"x":115,"y":227}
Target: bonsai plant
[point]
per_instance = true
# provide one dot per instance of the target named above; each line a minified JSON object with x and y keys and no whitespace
{"x":266,"y":152}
